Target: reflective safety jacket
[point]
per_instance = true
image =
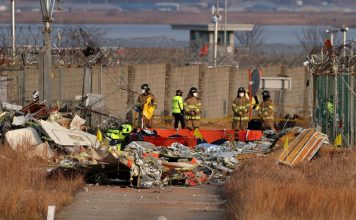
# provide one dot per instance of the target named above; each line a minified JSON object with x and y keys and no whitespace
{"x":126,"y":128}
{"x":266,"y":110}
{"x":240,"y":108}
{"x":177,"y":104}
{"x":192,"y":107}
{"x":330,"y":107}
{"x":115,"y":134}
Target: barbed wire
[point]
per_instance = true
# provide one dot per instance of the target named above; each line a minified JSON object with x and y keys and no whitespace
{"x":332,"y":59}
{"x":68,"y":45}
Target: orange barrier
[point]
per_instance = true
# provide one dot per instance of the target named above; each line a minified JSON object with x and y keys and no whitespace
{"x":208,"y":135}
{"x":250,"y":135}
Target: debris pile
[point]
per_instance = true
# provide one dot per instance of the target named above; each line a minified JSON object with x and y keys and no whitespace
{"x":117,"y":153}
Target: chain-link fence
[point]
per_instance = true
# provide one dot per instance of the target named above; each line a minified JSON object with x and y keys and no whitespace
{"x":334,"y":89}
{"x":124,"y":64}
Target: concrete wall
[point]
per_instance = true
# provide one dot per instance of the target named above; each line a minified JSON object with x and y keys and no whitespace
{"x":217,"y":92}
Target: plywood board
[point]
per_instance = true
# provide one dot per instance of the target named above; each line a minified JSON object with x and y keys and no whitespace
{"x":302,"y":148}
{"x":293,"y":144}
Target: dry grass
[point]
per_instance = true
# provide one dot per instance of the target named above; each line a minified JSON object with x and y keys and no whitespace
{"x":25,"y":190}
{"x":325,"y":188}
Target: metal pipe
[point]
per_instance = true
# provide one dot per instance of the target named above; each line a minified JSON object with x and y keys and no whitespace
{"x":13,"y":30}
{"x":344,"y":30}
{"x":335,"y":104}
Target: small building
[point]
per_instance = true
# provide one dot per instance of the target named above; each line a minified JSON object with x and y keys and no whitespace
{"x":201,"y":34}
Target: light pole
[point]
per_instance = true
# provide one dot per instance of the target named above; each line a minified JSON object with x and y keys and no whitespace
{"x":225,"y":22}
{"x":13,"y":30}
{"x":47,"y":7}
{"x":215,"y":20}
{"x":344,"y":31}
{"x":332,"y":34}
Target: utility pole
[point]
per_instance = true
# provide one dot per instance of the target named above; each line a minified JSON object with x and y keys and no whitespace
{"x":45,"y":88}
{"x":215,"y":20}
{"x":225,"y":22}
{"x":13,"y":30}
{"x":332,"y":33}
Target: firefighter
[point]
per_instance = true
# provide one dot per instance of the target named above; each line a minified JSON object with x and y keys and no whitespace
{"x":266,"y":111}
{"x":145,"y":105}
{"x":177,"y":109}
{"x":192,"y":109}
{"x":240,"y":108}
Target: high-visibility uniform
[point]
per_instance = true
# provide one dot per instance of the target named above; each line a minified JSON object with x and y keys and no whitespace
{"x":148,"y":103}
{"x":177,"y":104}
{"x":266,"y":113}
{"x":240,"y":108}
{"x":177,"y":111}
{"x":117,"y":136}
{"x":330,"y":107}
{"x":192,"y":109}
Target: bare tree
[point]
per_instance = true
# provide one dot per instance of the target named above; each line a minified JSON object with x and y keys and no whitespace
{"x":312,"y":36}
{"x":254,"y":38}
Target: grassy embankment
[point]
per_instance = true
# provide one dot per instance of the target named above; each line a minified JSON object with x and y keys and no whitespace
{"x":325,"y":188}
{"x":26,"y":191}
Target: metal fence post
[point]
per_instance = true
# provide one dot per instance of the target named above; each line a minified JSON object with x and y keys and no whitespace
{"x":202,"y":88}
{"x":167,"y":88}
{"x":22,"y":85}
{"x":130,"y":88}
{"x":232,"y":88}
{"x":100,"y":79}
{"x":60,"y":83}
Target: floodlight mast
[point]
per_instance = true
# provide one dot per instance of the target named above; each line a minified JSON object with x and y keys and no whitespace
{"x":13,"y":30}
{"x":332,"y":33}
{"x":215,"y":20}
{"x":47,"y":7}
{"x":225,"y":23}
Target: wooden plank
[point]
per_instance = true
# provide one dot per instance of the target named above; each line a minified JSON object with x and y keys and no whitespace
{"x":301,"y":155}
{"x":291,"y":146}
{"x":295,"y":143}
{"x":305,"y":152}
{"x":312,"y":152}
{"x":299,"y":147}
{"x":306,"y":148}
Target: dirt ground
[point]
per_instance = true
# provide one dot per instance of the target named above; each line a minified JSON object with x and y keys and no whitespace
{"x":114,"y":202}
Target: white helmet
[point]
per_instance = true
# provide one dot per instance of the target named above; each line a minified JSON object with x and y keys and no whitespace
{"x":35,"y":95}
